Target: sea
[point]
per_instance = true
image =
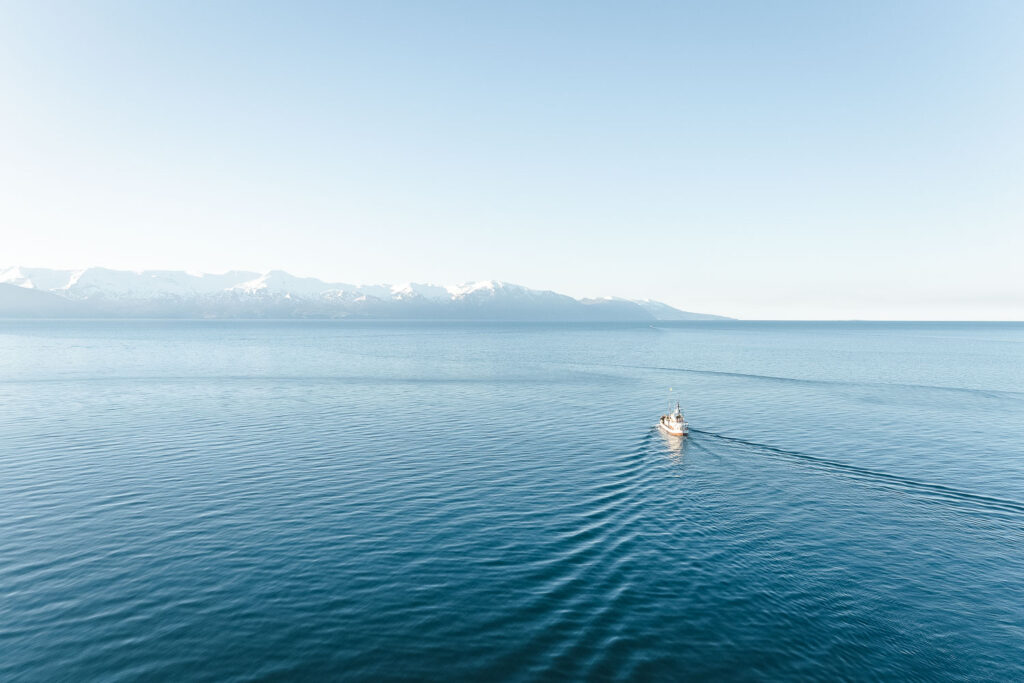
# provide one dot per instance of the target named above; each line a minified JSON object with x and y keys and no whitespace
{"x":406,"y":501}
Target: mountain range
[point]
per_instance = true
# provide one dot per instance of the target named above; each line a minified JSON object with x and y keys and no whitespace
{"x":106,"y":293}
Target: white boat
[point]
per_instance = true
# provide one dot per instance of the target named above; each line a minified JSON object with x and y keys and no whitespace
{"x":673,"y":423}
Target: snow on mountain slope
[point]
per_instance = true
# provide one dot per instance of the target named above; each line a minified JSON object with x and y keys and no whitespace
{"x":208,"y":283}
{"x":415,"y":289}
{"x":376,"y":291}
{"x":485,"y":286}
{"x":276,"y":293}
{"x":46,"y":279}
{"x":121,"y":284}
{"x":280,"y":282}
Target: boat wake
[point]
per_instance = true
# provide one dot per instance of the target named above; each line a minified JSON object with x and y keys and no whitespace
{"x":929,"y":490}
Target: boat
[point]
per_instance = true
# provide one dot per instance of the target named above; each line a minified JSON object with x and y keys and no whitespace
{"x":673,"y":423}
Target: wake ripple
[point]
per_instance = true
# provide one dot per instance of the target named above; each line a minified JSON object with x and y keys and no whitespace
{"x":588,"y":568}
{"x":987,"y":393}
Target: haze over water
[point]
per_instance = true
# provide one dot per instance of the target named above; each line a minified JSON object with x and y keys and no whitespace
{"x":238,"y":500}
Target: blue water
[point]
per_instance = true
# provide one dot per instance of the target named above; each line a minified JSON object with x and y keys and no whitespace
{"x":384,"y":501}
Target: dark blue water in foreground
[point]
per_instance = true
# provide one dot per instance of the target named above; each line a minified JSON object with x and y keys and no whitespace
{"x":307,"y":500}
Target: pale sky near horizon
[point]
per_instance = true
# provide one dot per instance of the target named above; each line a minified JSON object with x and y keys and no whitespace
{"x":755,"y":159}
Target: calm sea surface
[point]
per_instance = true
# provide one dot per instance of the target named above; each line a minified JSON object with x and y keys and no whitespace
{"x":376,"y":501}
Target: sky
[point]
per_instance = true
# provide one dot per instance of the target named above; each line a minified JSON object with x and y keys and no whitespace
{"x":767,"y":160}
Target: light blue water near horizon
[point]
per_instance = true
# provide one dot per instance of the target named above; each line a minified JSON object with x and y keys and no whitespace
{"x":392,"y":501}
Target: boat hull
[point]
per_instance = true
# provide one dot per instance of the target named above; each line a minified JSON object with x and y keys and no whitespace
{"x":672,"y":432}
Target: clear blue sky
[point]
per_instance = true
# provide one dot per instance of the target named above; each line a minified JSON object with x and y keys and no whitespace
{"x":757,"y":159}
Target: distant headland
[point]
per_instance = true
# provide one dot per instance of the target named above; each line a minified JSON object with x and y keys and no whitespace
{"x":106,"y":293}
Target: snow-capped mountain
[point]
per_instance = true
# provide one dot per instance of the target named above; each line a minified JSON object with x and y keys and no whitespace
{"x":102,"y":292}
